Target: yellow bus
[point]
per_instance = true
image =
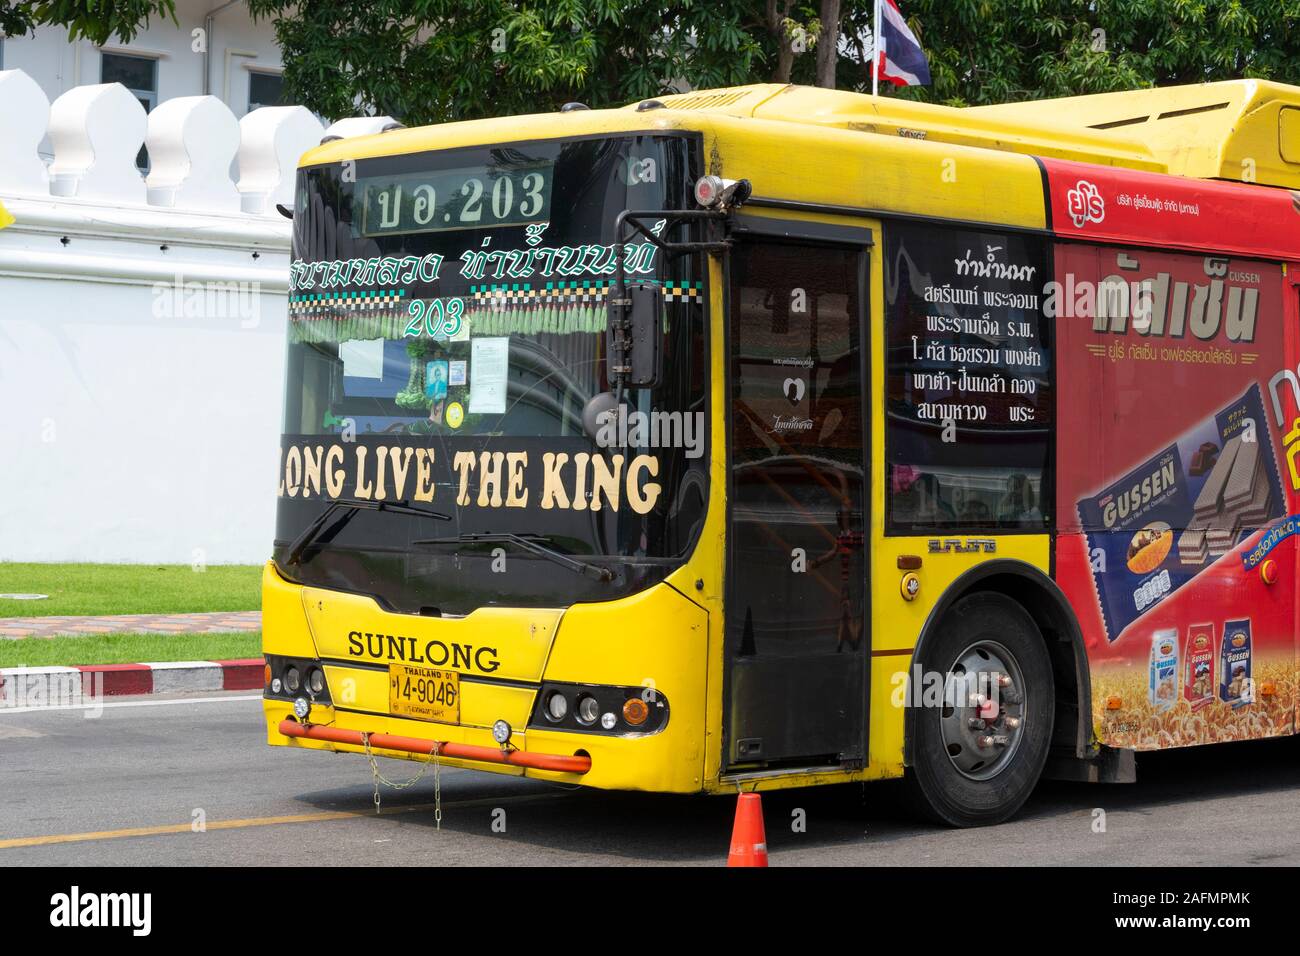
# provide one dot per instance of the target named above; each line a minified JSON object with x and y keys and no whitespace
{"x":773,"y":436}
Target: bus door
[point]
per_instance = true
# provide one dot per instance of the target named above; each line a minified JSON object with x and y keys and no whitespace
{"x":796,"y":645}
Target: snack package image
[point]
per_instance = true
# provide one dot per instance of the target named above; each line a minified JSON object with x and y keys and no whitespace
{"x":1198,"y":684}
{"x":1235,"y":684}
{"x":1177,"y":513}
{"x":1164,"y":669}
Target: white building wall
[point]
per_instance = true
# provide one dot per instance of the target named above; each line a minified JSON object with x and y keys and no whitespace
{"x":236,"y":45}
{"x":142,"y":326}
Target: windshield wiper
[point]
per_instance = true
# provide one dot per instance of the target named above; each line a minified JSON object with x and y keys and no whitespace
{"x":535,"y":543}
{"x":350,"y":506}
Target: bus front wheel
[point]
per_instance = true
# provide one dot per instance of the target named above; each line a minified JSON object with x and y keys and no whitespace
{"x":982,"y":718}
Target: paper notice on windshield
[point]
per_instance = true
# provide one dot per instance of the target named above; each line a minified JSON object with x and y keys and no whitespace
{"x":489,"y":360}
{"x":362,"y":358}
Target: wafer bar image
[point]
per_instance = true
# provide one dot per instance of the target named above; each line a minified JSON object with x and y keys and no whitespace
{"x":1259,"y":510}
{"x":1210,"y":500}
{"x":1246,"y":500}
{"x":1194,"y":543}
{"x":1203,"y":460}
{"x":1192,"y":547}
{"x":1244,"y":477}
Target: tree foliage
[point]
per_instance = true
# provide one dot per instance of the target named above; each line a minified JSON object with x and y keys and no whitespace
{"x":94,"y":20}
{"x":428,"y":61}
{"x":438,"y":60}
{"x":995,"y":51}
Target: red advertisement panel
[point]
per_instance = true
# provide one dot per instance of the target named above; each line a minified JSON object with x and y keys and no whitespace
{"x":1179,"y":432}
{"x":1106,"y":204}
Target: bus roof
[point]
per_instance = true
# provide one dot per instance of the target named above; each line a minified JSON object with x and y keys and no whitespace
{"x":1021,"y":164}
{"x":1238,"y":130}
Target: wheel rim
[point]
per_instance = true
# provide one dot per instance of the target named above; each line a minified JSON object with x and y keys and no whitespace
{"x":982,"y":717}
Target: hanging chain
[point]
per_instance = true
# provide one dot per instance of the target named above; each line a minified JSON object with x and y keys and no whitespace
{"x":437,"y":791}
{"x":379,"y":777}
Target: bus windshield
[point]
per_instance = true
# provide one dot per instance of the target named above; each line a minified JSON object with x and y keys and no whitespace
{"x":447,"y":317}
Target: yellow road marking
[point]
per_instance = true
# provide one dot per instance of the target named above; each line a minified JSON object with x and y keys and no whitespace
{"x":321,"y":817}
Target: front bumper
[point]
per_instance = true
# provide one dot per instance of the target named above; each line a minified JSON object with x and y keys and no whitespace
{"x":556,"y":763}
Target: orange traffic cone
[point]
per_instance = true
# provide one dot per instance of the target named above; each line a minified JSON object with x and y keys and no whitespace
{"x":748,"y":842}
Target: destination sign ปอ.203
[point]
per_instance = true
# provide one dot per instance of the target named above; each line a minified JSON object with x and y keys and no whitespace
{"x":471,"y":198}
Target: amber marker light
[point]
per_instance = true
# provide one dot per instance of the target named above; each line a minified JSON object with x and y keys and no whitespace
{"x":635,"y":711}
{"x":1114,"y":703}
{"x":1268,"y":572}
{"x":266,"y":678}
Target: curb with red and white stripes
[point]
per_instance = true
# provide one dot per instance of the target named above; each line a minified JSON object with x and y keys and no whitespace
{"x":19,"y":684}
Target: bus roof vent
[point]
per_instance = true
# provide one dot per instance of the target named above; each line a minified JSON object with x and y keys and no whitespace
{"x":1239,"y":130}
{"x":736,"y":101}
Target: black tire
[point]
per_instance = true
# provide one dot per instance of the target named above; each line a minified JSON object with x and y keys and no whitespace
{"x":935,"y":785}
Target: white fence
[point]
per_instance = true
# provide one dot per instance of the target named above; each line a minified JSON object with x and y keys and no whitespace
{"x":142,"y":323}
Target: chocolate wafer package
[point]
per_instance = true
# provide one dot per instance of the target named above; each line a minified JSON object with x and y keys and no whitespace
{"x":1159,"y":525}
{"x":1235,"y":686}
{"x":1198,"y":684}
{"x":1164,"y":669}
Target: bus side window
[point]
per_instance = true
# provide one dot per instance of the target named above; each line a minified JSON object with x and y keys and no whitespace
{"x":969,"y":409}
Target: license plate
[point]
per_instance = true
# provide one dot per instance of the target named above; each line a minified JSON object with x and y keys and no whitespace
{"x":424,"y":693}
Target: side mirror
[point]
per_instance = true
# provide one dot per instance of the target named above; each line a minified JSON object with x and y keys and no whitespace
{"x":595,"y":414}
{"x":635,"y":336}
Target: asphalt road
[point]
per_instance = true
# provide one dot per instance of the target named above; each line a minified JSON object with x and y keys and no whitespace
{"x":152,"y":765}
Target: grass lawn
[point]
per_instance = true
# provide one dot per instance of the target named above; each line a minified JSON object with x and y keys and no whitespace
{"x":128,"y":649}
{"x":129,"y":588}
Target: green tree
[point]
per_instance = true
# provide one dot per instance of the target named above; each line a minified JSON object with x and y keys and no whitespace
{"x":438,"y":60}
{"x":426,"y":61}
{"x":94,"y":20}
{"x":995,"y":51}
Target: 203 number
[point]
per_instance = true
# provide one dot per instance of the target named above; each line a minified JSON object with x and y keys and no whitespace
{"x":433,"y":319}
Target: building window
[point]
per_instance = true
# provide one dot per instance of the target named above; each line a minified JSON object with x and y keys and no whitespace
{"x":139,"y":74}
{"x":264,"y":89}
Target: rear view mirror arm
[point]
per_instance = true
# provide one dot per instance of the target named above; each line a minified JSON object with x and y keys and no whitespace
{"x":620,"y":303}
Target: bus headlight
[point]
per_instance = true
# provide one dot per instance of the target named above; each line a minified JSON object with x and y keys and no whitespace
{"x":501,"y":732}
{"x":557,"y":706}
{"x":302,"y":707}
{"x":293,"y":677}
{"x":629,"y":711}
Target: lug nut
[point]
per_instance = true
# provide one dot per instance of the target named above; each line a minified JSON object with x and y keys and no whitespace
{"x":975,"y":723}
{"x":1013,"y":723}
{"x":1004,"y":680}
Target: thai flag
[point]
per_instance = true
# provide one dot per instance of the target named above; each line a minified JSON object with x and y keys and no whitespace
{"x":899,"y":58}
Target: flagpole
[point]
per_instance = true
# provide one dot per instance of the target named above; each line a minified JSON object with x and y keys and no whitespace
{"x":875,"y":49}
